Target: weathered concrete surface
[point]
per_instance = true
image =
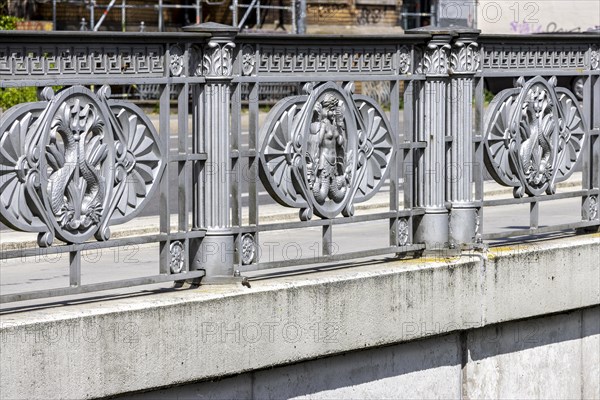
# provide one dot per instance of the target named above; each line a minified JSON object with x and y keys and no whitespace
{"x":557,"y":275}
{"x":554,"y":357}
{"x":125,"y":345}
{"x":590,"y":353}
{"x":542,"y":358}
{"x":428,"y":368}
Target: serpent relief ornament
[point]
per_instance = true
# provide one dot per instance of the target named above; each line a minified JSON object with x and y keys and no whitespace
{"x":75,"y":163}
{"x":534,"y":135}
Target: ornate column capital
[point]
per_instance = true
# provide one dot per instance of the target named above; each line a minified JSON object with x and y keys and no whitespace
{"x":465,"y":58}
{"x":217,"y":59}
{"x":217,"y":53}
{"x":435,"y":58}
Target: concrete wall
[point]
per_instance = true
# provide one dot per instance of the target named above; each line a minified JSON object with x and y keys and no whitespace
{"x":554,"y":357}
{"x":172,"y":339}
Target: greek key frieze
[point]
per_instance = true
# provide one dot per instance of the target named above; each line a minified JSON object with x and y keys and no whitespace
{"x":528,"y":56}
{"x":279,"y":59}
{"x":81,"y":60}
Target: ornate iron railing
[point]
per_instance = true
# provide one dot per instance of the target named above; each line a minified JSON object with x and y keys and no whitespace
{"x":535,"y":135}
{"x":77,"y":162}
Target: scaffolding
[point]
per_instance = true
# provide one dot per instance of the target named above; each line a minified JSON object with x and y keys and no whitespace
{"x":160,"y":7}
{"x":246,"y":11}
{"x":257,"y":6}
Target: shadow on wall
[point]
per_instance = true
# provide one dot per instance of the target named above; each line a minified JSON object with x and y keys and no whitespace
{"x":545,"y":355}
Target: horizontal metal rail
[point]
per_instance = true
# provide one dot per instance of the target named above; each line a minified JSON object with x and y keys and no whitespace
{"x":97,"y":287}
{"x":338,"y":257}
{"x":11,"y":253}
{"x":550,"y":197}
{"x":331,"y":222}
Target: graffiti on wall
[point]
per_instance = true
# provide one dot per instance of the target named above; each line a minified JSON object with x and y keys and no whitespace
{"x":525,"y":28}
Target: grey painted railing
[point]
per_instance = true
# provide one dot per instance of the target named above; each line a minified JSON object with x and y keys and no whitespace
{"x":77,"y":161}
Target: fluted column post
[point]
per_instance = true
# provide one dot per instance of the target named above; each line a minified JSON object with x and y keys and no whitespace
{"x":431,"y":129}
{"x":211,"y":124}
{"x":464,"y":63}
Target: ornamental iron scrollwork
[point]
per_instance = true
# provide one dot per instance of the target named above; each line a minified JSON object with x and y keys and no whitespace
{"x":176,"y":60}
{"x":534,"y":136}
{"x":592,"y":207}
{"x":177,"y":251}
{"x":403,"y":232}
{"x":404,"y":60}
{"x":75,"y":163}
{"x":326,"y":150}
{"x":248,"y":245}
{"x":248,"y":59}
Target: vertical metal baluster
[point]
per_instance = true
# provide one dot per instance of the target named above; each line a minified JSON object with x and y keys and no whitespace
{"x":164,"y":210}
{"x":253,"y":161}
{"x":75,"y":268}
{"x":198,"y":171}
{"x":184,"y":165}
{"x":595,"y":124}
{"x":408,"y":159}
{"x":394,"y":184}
{"x":534,"y":215}
{"x":592,"y":93}
{"x":236,"y":161}
{"x":478,"y":155}
{"x":236,"y":190}
{"x":327,"y":242}
{"x":253,"y":145}
{"x":588,"y":154}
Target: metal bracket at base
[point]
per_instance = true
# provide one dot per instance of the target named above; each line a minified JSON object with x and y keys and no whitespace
{"x":225,"y":280}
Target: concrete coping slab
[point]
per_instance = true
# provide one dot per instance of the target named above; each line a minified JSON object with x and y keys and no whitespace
{"x":140,"y":343}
